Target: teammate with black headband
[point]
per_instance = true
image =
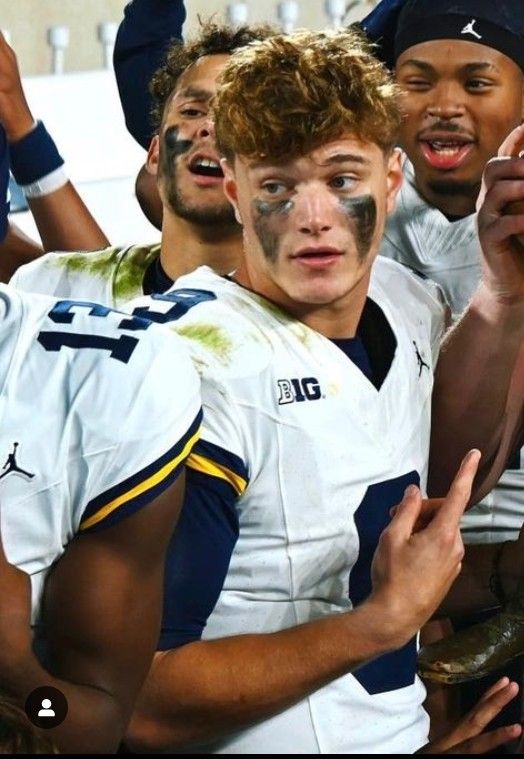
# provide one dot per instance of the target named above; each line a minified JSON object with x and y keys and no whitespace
{"x":459,"y":65}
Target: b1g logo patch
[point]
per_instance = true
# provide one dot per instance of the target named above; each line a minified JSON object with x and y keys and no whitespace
{"x":297,"y":390}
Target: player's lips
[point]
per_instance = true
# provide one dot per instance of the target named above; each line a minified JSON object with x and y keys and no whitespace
{"x":206,"y":169}
{"x":444,"y":150}
{"x":317,"y":257}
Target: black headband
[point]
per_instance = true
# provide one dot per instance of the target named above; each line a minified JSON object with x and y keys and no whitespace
{"x":459,"y":27}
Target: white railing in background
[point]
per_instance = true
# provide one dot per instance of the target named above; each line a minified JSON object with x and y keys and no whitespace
{"x":237,"y":14}
{"x":287,"y":13}
{"x":106,"y":32}
{"x":58,"y":40}
{"x":336,"y":12}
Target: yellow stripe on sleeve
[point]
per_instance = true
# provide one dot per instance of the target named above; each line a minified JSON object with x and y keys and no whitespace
{"x":207,"y":466}
{"x":150,"y":482}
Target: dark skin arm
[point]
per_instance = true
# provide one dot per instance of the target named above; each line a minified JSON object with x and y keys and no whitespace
{"x":64,"y":222}
{"x":479,"y":380}
{"x":102,"y":609}
{"x":62,"y":219}
{"x":16,"y":249}
{"x":472,"y":592}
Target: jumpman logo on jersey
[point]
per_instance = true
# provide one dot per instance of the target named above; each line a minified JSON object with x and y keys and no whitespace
{"x":468,"y":29}
{"x":11,"y":465}
{"x":421,"y":363}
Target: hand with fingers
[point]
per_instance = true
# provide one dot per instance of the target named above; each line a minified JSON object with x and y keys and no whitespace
{"x":500,"y":215}
{"x":416,"y":546}
{"x":15,"y":114}
{"x":467,"y":737}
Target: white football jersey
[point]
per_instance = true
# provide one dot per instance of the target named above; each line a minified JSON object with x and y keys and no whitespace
{"x":322,"y":455}
{"x":99,"y":412}
{"x":421,"y":237}
{"x":112,"y":276}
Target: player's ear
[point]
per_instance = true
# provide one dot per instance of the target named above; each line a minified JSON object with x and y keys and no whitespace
{"x":394,"y":178}
{"x":230,"y":186}
{"x":152,"y":156}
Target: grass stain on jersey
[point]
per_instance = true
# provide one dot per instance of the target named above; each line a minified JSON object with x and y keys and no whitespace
{"x":332,"y":389}
{"x":129,"y":276}
{"x":125,"y":267}
{"x":302,"y":332}
{"x":271,"y":307}
{"x":211,"y":337}
{"x":98,"y":263}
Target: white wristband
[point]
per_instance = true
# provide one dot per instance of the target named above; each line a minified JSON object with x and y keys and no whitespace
{"x":45,"y":185}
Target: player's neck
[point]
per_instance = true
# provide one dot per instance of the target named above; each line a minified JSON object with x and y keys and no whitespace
{"x":336,"y":320}
{"x":186,"y":246}
{"x":454,"y":205}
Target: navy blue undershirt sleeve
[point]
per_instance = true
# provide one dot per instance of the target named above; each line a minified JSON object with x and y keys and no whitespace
{"x":145,"y":33}
{"x":198,"y":558}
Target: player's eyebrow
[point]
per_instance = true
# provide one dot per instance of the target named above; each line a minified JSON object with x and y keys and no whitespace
{"x":195,"y":93}
{"x":468,"y":68}
{"x":345,"y":158}
{"x":422,"y":65}
{"x":478,"y":66}
{"x":333,"y":159}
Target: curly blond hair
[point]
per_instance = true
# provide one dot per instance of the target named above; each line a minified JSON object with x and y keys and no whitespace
{"x":213,"y":39}
{"x":288,"y":94}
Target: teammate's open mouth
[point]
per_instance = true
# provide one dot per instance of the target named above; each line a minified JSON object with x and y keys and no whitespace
{"x":206,"y":167}
{"x":445,"y":154}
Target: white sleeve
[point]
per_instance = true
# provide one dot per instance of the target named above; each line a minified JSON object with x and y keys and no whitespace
{"x":152,"y":406}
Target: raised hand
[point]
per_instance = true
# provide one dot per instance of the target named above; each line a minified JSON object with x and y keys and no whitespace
{"x":15,"y":115}
{"x":417,"y":558}
{"x":501,"y":220}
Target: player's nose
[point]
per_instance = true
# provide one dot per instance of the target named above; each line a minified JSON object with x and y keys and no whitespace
{"x":206,"y":128}
{"x":315,"y":212}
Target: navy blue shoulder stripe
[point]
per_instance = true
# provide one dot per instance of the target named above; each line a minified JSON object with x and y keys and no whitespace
{"x":141,"y":488}
{"x":215,"y":461}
